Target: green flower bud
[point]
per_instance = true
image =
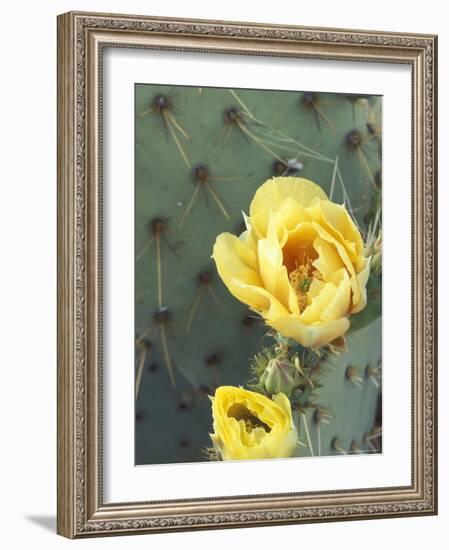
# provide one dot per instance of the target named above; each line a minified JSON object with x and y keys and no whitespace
{"x":375,"y":251}
{"x":279,"y":376}
{"x":376,"y":263}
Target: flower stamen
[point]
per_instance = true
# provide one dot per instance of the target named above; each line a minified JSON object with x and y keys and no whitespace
{"x":301,"y":279}
{"x":249,"y":419}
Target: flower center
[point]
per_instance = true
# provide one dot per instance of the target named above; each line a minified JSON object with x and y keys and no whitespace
{"x":249,"y":419}
{"x":301,"y":278}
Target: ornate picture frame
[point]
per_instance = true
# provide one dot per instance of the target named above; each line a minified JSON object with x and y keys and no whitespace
{"x":82,"y":39}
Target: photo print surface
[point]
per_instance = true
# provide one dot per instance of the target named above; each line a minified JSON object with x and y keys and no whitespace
{"x":258,"y":264}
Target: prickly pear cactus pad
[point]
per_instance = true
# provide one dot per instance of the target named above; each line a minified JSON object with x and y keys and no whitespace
{"x":258,"y":329}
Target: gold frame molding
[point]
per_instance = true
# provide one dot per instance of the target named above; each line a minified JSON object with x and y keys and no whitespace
{"x":81,"y":39}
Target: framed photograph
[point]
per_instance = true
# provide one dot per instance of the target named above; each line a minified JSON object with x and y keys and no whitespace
{"x":247,"y":274}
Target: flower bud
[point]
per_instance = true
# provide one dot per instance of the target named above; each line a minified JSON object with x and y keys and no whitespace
{"x":376,"y":262}
{"x":375,"y":251}
{"x":279,"y":376}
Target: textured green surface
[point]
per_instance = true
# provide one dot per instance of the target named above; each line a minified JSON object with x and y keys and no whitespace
{"x":352,"y":407}
{"x":173,"y":423}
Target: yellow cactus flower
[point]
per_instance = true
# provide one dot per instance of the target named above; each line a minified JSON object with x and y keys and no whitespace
{"x":248,"y":425}
{"x":300,"y":264}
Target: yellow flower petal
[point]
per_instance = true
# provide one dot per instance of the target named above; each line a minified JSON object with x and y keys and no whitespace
{"x":339,"y":305}
{"x":312,"y":312}
{"x":248,"y":425}
{"x":236,"y":264}
{"x":315,"y":288}
{"x":328,"y":260}
{"x":343,"y":253}
{"x":273,"y":271}
{"x":340,"y":225}
{"x":300,"y":243}
{"x":235,"y":256}
{"x":300,"y":264}
{"x":362,"y":279}
{"x":315,"y":335}
{"x":274,"y":192}
{"x":291,"y":213}
{"x":283,"y":401}
{"x":274,"y":274}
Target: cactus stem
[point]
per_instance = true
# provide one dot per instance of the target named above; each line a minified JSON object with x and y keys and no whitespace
{"x":306,"y":429}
